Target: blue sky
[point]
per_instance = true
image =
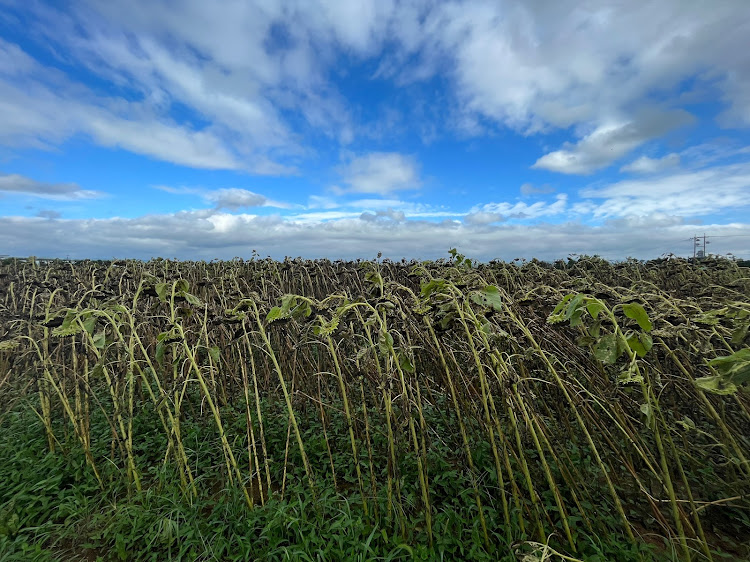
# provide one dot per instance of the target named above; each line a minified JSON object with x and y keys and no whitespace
{"x":342,"y":129}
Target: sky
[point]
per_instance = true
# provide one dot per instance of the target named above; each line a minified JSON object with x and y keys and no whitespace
{"x":344,"y":128}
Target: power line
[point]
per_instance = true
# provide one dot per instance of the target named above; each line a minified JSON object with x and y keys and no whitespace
{"x":698,"y":250}
{"x":700,"y":243}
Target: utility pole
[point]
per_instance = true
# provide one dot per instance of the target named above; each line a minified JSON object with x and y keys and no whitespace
{"x":699,"y":246}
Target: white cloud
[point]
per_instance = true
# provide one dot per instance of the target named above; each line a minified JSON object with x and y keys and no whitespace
{"x":483,"y":217}
{"x":531,"y":189}
{"x":209,"y":235}
{"x":246,"y":85}
{"x":234,"y":198}
{"x":49,"y":214}
{"x":381,"y":173}
{"x":608,"y":143}
{"x":36,"y":113}
{"x":533,"y":65}
{"x":646,"y":165}
{"x":231,"y":198}
{"x":180,"y":190}
{"x":164,"y":141}
{"x":379,"y":204}
{"x":15,"y":183}
{"x":520,"y":210}
{"x":689,"y":193}
{"x":322,"y":202}
{"x":388,"y":214}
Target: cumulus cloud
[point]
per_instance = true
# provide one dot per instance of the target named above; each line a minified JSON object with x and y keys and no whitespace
{"x":608,"y":143}
{"x":689,"y":193}
{"x":201,"y":235}
{"x":234,"y":198}
{"x":231,"y":198}
{"x":42,"y":108}
{"x":380,"y":173}
{"x":15,"y":183}
{"x":646,"y":165}
{"x":253,"y":81}
{"x":531,"y":66}
{"x":483,"y":217}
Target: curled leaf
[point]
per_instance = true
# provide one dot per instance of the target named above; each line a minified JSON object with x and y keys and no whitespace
{"x":716,"y":385}
{"x":8,"y":345}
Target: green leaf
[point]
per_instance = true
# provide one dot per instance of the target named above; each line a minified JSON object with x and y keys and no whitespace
{"x":385,"y":343}
{"x":326,"y":328}
{"x":648,"y":411}
{"x":374,"y":277}
{"x":302,"y":310}
{"x":716,"y":384}
{"x":100,"y":340}
{"x":646,"y":340}
{"x":90,"y":324}
{"x":69,"y":327}
{"x":575,"y":317}
{"x":432,"y":286}
{"x":287,"y":303}
{"x":97,"y":371}
{"x":161,"y":290}
{"x":585,"y":341}
{"x":638,"y":313}
{"x":734,"y":368}
{"x":489,"y":296}
{"x":740,"y":333}
{"x":274,"y":314}
{"x":573,"y":308}
{"x":711,"y":318}
{"x":595,"y":306}
{"x":161,"y":349}
{"x":215,"y":353}
{"x":120,"y":547}
{"x":635,"y":344}
{"x":606,"y":349}
{"x":192,"y":299}
{"x":686,"y":423}
{"x":558,"y":315}
{"x":446,"y":320}
{"x":405,"y":363}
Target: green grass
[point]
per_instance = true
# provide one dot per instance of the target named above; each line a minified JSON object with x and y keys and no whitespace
{"x":51,"y":507}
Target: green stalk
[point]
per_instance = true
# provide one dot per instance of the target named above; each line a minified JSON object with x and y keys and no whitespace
{"x":347,"y":412}
{"x":551,"y":369}
{"x":287,"y":398}
{"x":228,"y":453}
{"x":465,"y":440}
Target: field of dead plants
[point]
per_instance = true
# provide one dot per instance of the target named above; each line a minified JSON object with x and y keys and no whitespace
{"x":374,"y":410}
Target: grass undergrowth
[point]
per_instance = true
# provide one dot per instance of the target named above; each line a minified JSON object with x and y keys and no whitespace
{"x":52,"y":508}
